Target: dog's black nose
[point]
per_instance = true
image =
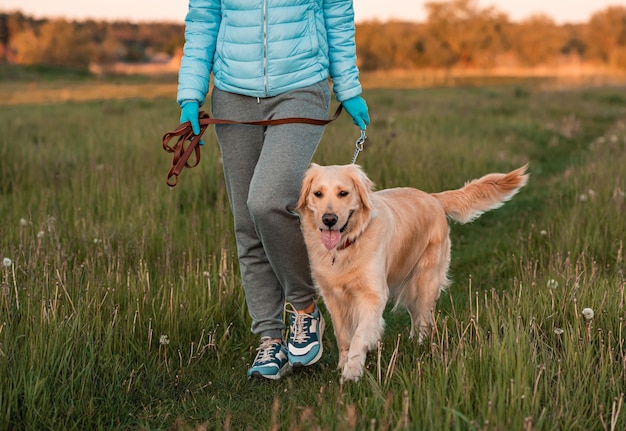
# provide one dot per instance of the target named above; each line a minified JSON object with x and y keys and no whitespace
{"x":329,"y":219}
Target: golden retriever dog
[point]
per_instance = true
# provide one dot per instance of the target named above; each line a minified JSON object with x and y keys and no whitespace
{"x":367,"y":247}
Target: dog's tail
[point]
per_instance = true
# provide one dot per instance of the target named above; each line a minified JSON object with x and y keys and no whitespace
{"x":484,"y":194}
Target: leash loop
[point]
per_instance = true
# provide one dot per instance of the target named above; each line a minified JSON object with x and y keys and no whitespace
{"x":359,"y":146}
{"x":188,"y":143}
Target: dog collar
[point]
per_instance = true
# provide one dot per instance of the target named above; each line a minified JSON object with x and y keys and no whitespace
{"x":347,"y":244}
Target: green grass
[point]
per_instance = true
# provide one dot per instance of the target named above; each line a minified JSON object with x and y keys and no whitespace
{"x":107,"y":261}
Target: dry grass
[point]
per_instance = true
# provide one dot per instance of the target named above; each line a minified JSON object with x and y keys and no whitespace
{"x":543,"y":78}
{"x":29,"y":93}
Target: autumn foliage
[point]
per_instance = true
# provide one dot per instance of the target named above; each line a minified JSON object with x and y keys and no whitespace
{"x":457,"y":33}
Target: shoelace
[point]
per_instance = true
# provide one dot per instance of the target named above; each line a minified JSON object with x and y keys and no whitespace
{"x":265,"y":350}
{"x":300,"y":327}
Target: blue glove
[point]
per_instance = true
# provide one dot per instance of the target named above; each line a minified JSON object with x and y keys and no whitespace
{"x":357,"y":108}
{"x":190,"y":112}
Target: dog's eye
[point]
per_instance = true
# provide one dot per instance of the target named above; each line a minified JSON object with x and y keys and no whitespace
{"x":317,"y":194}
{"x":343,"y":194}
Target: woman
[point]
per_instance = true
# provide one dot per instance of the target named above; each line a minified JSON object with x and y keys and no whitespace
{"x":271,"y":59}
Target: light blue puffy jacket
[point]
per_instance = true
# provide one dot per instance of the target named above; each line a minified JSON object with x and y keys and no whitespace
{"x":262,"y":48}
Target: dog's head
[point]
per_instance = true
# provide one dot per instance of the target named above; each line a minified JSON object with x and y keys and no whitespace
{"x":336,"y":201}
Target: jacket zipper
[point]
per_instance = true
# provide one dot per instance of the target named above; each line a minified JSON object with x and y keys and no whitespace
{"x":265,"y":47}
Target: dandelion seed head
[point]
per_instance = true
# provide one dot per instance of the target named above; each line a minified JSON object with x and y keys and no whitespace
{"x":552,"y":284}
{"x":164,"y":340}
{"x":51,"y":223}
{"x":6,"y":262}
{"x":588,"y":313}
{"x":543,"y":232}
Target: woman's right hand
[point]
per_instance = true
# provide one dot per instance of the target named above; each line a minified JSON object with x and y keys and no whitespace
{"x":190,"y":112}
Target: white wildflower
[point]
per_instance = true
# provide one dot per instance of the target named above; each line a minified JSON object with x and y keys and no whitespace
{"x":206,"y":274}
{"x":40,"y":234}
{"x":558,"y":331}
{"x":583,"y":197}
{"x":51,"y":223}
{"x":6,"y":262}
{"x":552,"y":284}
{"x":97,"y":241}
{"x":23,"y":222}
{"x":543,"y":232}
{"x":588,"y":313}
{"x":164,"y":340}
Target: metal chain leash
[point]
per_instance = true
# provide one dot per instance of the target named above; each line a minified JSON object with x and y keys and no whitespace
{"x":359,"y":145}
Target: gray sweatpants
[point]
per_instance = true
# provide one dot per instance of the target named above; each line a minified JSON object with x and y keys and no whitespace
{"x":263,"y":168}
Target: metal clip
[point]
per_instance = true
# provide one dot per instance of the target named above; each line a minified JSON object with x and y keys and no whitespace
{"x":359,"y":145}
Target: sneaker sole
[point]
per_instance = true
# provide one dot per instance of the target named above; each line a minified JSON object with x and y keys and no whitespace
{"x":311,"y":362}
{"x":281,"y":373}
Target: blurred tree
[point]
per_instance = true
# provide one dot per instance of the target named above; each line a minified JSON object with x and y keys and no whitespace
{"x":109,"y":50}
{"x":538,"y":40}
{"x":460,"y":33}
{"x":387,"y":45}
{"x":56,"y":43}
{"x":24,"y":47}
{"x":574,"y":45}
{"x":618,"y":57}
{"x":135,"y":52}
{"x":605,"y":32}
{"x":4,"y":35}
{"x":174,"y":44}
{"x":10,"y":25}
{"x":106,"y":47}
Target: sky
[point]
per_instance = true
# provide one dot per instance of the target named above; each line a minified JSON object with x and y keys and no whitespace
{"x":562,"y":11}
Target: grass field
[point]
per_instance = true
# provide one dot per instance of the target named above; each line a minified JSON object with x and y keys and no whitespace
{"x":120,"y":299}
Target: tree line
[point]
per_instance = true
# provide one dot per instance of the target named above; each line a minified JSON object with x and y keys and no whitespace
{"x":461,"y":34}
{"x":457,"y":33}
{"x":77,"y":44}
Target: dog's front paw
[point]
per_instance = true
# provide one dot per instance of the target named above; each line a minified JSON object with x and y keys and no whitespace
{"x":352,"y":371}
{"x":343,"y":357}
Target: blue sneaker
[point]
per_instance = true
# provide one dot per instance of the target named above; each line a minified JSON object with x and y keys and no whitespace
{"x":305,"y":338}
{"x":271,"y":361}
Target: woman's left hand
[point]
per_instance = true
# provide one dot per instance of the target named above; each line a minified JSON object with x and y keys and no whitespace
{"x":357,"y":108}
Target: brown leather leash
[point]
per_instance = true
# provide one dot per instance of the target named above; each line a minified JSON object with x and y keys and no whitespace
{"x":182,"y":152}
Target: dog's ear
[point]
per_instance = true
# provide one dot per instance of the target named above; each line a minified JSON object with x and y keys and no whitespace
{"x":305,"y":189}
{"x":364,"y":186}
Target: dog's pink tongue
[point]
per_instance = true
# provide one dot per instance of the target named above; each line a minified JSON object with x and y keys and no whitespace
{"x":330,"y":238}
